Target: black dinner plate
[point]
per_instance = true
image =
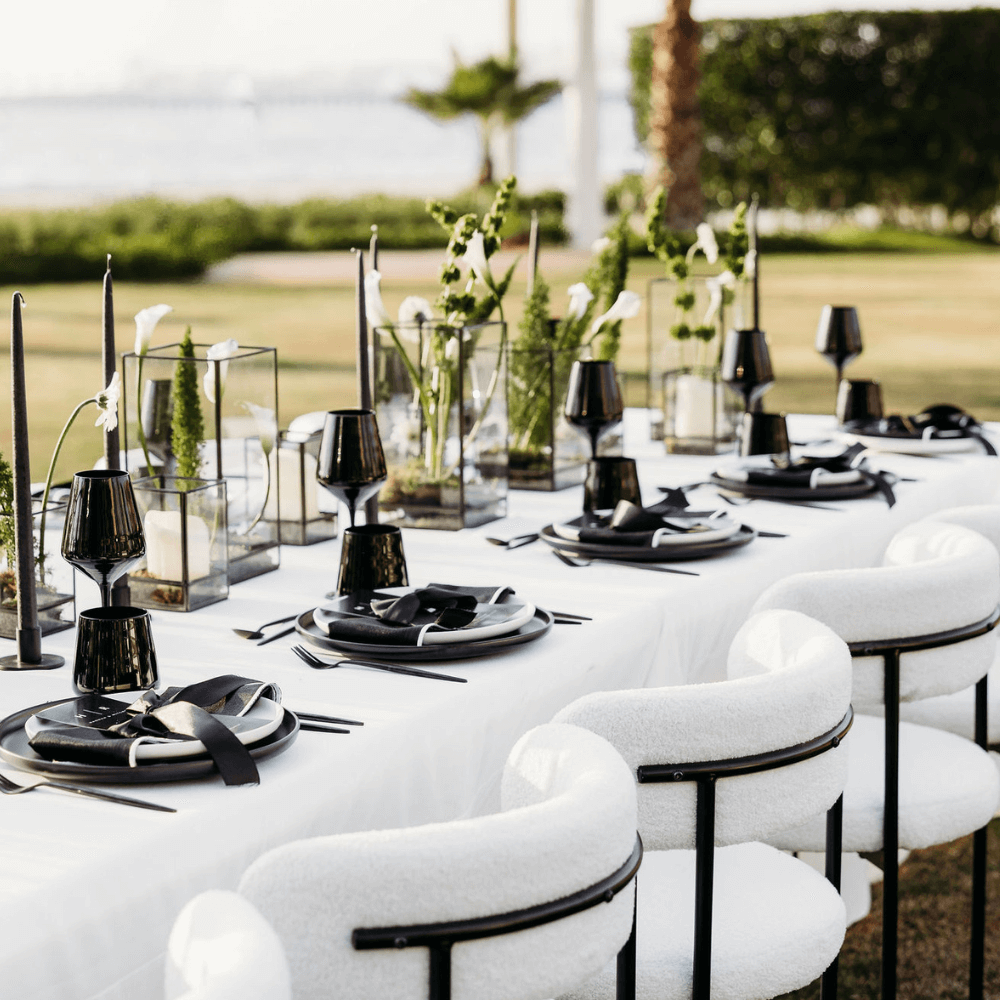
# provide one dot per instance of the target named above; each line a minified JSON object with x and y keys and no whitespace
{"x":636,"y":553}
{"x":15,"y":749}
{"x":540,"y":623}
{"x":836,"y":491}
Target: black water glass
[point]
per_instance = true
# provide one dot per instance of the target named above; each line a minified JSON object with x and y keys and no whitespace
{"x":593,"y":398}
{"x":351,"y":463}
{"x":371,"y":557}
{"x":609,"y":480}
{"x":114,"y":651}
{"x":859,"y":400}
{"x":763,"y":434}
{"x":746,"y":365}
{"x":103,"y":532}
{"x":838,"y":336}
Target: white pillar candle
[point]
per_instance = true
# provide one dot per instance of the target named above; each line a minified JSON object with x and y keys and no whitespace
{"x":163,"y":546}
{"x":694,"y":407}
{"x":285,"y":476}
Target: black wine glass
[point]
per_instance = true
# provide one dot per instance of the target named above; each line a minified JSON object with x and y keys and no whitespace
{"x":838,"y":337}
{"x":103,"y":533}
{"x":351,"y":463}
{"x":746,"y":365}
{"x":593,"y":399}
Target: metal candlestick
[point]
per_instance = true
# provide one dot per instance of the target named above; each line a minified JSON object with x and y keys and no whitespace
{"x":29,"y":654}
{"x":364,"y":369}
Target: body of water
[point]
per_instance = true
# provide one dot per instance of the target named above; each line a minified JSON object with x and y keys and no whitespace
{"x":75,"y":151}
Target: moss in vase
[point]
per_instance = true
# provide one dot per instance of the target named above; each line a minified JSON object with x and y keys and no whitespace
{"x":188,"y":425}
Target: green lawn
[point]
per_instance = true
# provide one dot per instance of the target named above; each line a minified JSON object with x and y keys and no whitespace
{"x":930,"y":321}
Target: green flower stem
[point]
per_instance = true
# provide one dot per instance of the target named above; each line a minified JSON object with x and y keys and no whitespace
{"x":138,"y":414}
{"x":267,"y":493}
{"x":48,"y":479}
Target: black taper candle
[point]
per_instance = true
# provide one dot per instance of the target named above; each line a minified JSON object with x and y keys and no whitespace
{"x":532,"y":253}
{"x":112,"y":452}
{"x":29,"y":654}
{"x":373,"y":248}
{"x":754,"y":204}
{"x":363,"y":366}
{"x":121,"y":595}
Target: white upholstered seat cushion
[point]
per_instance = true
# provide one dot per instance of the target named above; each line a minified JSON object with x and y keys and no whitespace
{"x":948,"y":787}
{"x":791,"y":683}
{"x":221,"y":948}
{"x":569,"y":822}
{"x":935,"y":577}
{"x":777,"y":925}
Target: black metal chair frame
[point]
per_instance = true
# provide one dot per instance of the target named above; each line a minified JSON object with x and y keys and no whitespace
{"x":440,"y":937}
{"x":890,"y":650}
{"x":706,"y":773}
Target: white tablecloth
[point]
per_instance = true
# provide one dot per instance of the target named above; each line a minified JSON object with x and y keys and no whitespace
{"x":89,"y":890}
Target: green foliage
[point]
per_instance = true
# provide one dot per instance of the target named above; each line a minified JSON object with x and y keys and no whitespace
{"x":838,"y":109}
{"x":640,"y":64}
{"x":738,"y":244}
{"x":609,"y":274}
{"x":157,"y":240}
{"x":7,"y":537}
{"x":188,"y":425}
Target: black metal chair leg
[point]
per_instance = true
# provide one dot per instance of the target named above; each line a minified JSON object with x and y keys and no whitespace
{"x":834,"y":847}
{"x":704,"y":882}
{"x":978,"y":943}
{"x":890,"y":835}
{"x":440,"y":977}
{"x":625,"y":980}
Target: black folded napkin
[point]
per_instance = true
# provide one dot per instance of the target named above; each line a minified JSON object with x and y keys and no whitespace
{"x":96,"y":730}
{"x":387,"y":619}
{"x":631,"y":524}
{"x":937,"y":423}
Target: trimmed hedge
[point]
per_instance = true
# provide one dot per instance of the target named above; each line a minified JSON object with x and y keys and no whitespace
{"x":839,"y":109}
{"x":156,"y":240}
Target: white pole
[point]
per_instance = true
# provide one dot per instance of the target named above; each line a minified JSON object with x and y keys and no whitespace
{"x":584,"y":215}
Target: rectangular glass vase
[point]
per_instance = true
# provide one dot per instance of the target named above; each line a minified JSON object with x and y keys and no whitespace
{"x":699,"y":412}
{"x":441,"y":404}
{"x":186,"y":565}
{"x":302,"y":521}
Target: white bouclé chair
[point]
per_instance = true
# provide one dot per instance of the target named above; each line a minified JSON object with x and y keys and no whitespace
{"x":356,"y":912}
{"x":725,"y":765}
{"x":221,"y":948}
{"x":919,"y":626}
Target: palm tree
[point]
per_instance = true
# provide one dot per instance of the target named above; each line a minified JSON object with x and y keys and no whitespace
{"x":675,"y":118}
{"x":489,"y":90}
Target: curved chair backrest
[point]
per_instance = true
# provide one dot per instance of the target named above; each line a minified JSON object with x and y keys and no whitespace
{"x":981,"y":518}
{"x":934,"y":578}
{"x":568,"y":822}
{"x":790,"y":684}
{"x":221,"y":948}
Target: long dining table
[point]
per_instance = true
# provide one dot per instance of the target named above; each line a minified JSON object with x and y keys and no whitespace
{"x":89,"y":890}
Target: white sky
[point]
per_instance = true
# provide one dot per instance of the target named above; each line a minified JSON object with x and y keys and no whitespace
{"x":72,"y":46}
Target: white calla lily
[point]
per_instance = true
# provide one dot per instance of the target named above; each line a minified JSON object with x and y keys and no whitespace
{"x":716,"y":287}
{"x":625,"y":306}
{"x":707,"y":242}
{"x":266,"y":423}
{"x":219,"y":353}
{"x":750,"y":264}
{"x":600,"y":245}
{"x":107,"y":403}
{"x":474,"y":258}
{"x":145,"y":324}
{"x":412,"y":311}
{"x":580,"y":296}
{"x":376,"y":312}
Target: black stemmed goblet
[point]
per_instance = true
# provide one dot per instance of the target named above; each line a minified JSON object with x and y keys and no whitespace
{"x":351,"y":463}
{"x":593,"y":399}
{"x":103,"y":534}
{"x":746,"y":365}
{"x":838,"y":337}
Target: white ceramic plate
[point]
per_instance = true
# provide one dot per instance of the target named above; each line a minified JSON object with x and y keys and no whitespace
{"x":493,"y":620}
{"x":722,"y":527}
{"x":258,"y":723}
{"x":914,"y":446}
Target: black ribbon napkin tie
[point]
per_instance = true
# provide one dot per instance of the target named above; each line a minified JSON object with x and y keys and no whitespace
{"x":187,"y":713}
{"x":937,"y":423}
{"x":631,"y":524}
{"x":402,"y":621}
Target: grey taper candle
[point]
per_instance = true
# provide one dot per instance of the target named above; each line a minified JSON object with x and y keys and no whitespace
{"x":754,"y":204}
{"x":29,"y":635}
{"x":532,"y":253}
{"x":364,"y":369}
{"x":373,"y":248}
